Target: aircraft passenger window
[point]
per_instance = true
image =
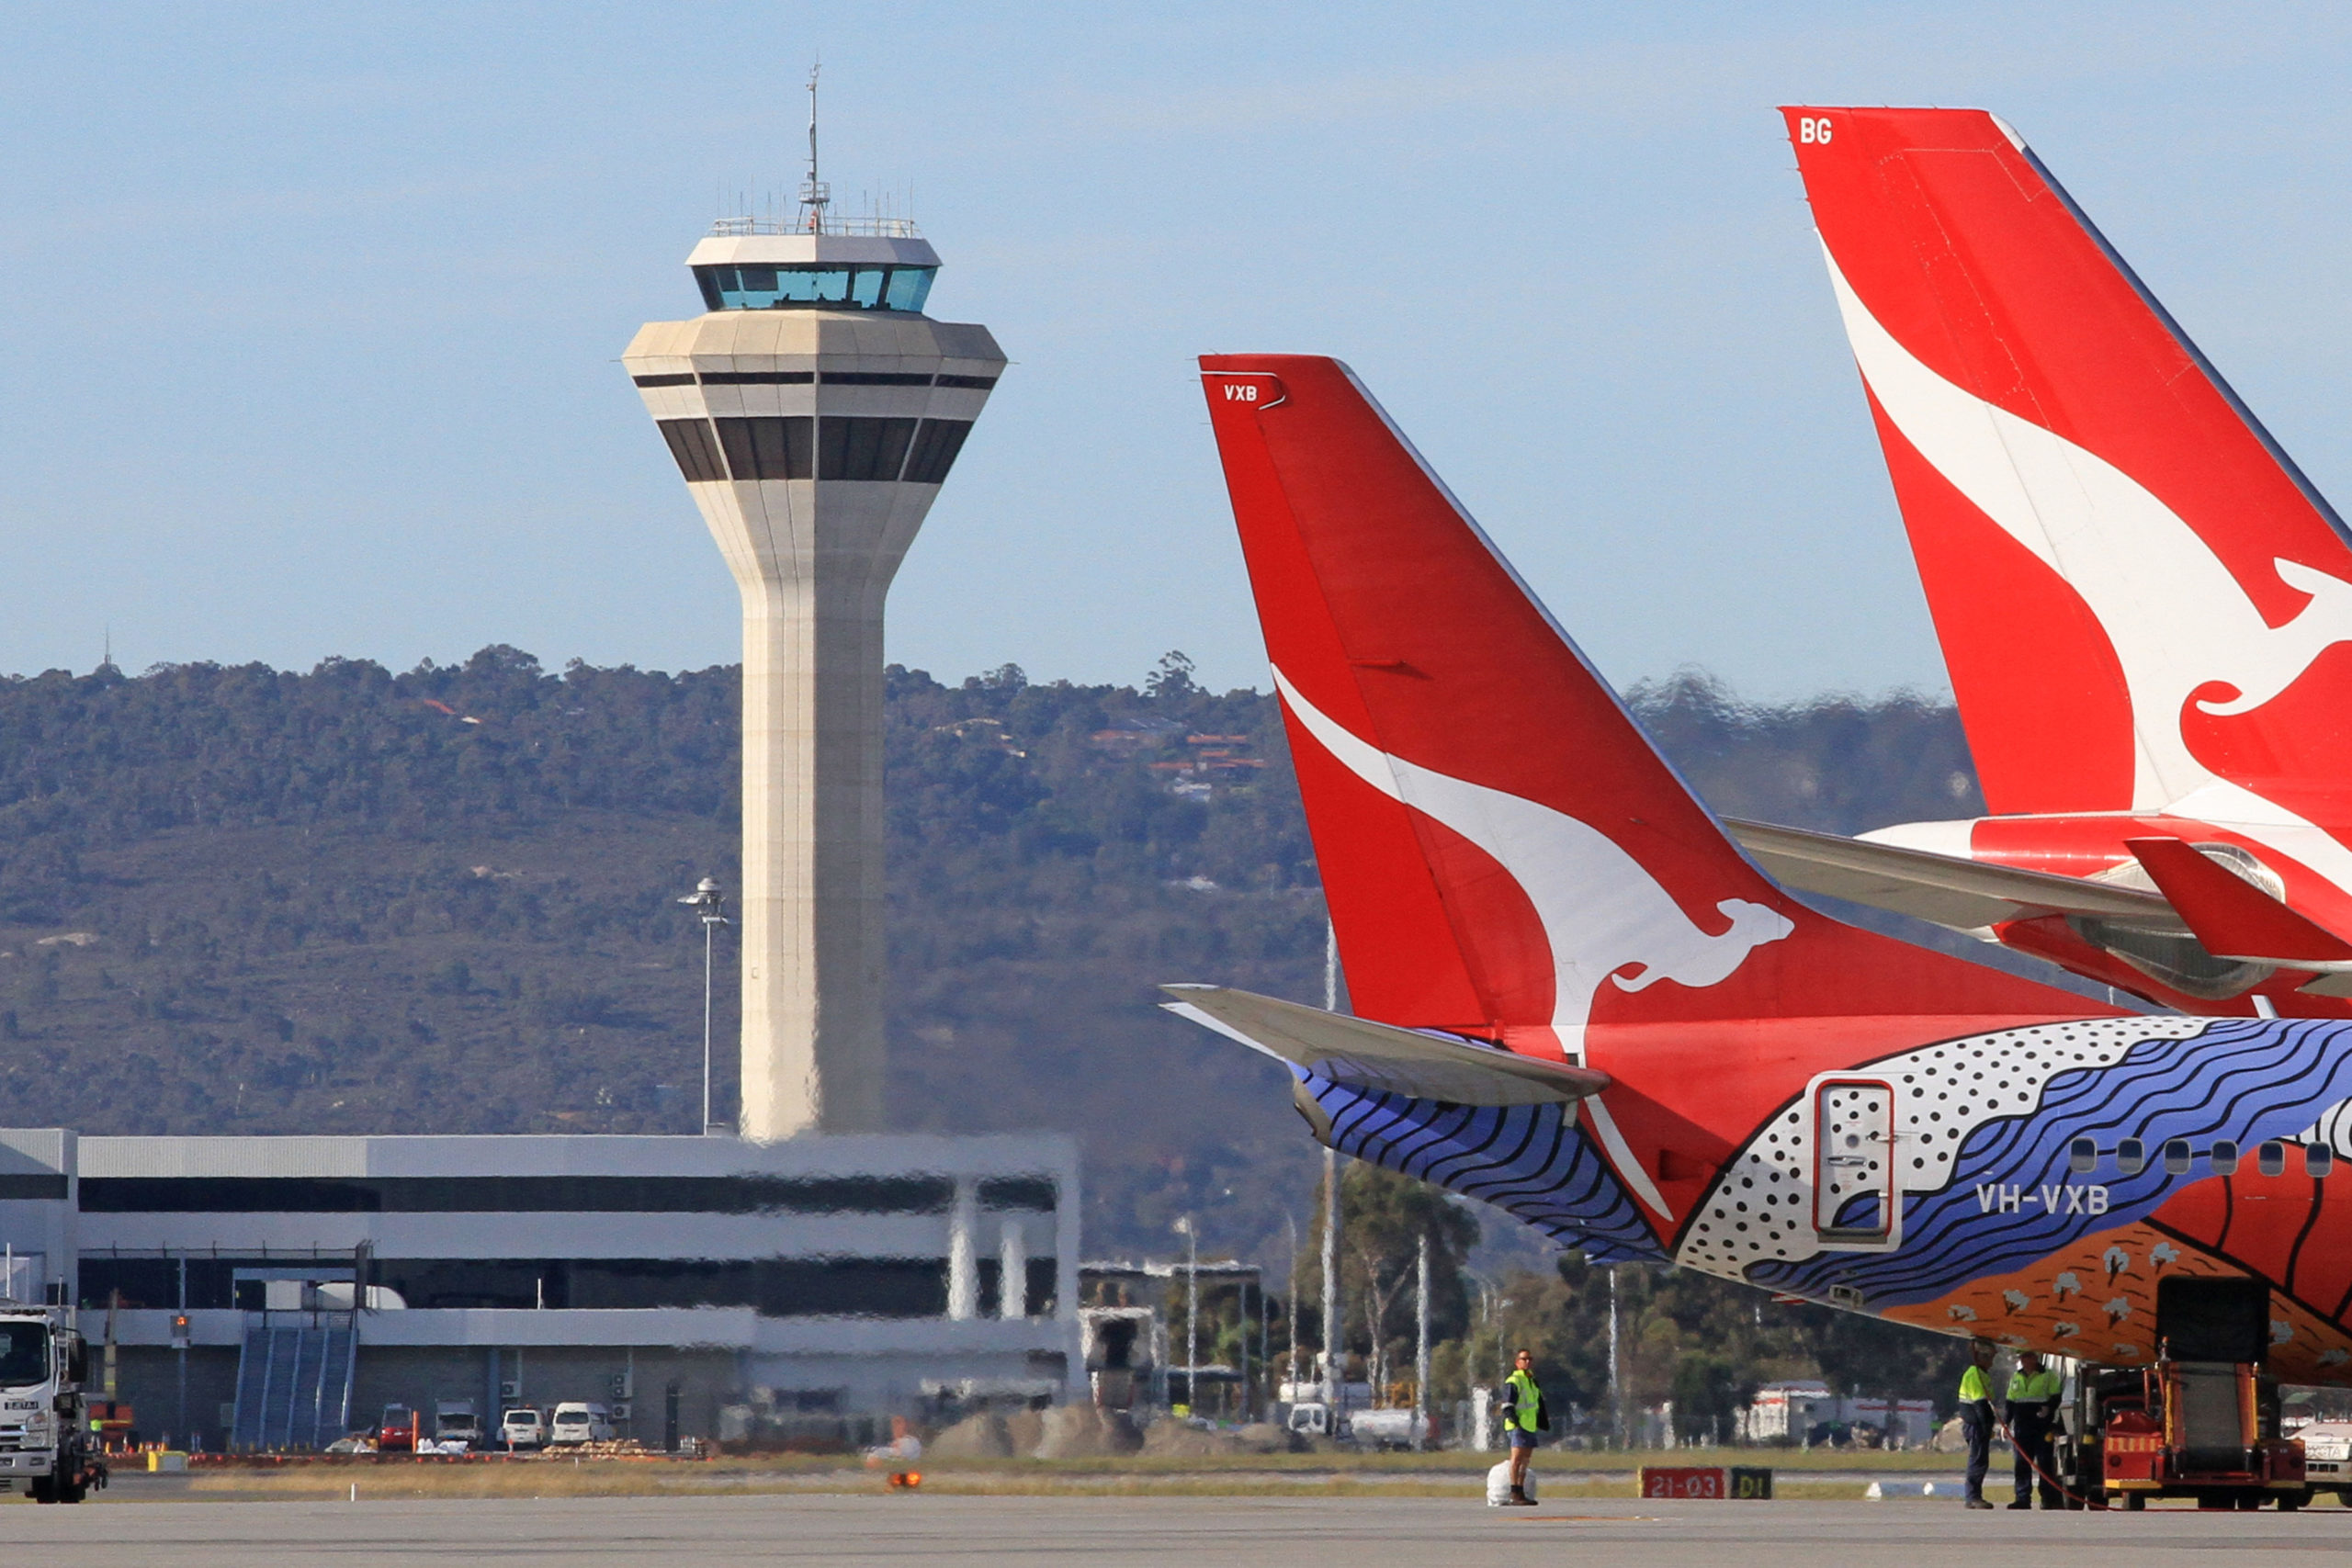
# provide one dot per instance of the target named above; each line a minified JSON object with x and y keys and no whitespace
{"x":2318,"y":1160}
{"x":2130,"y":1156}
{"x":2082,"y":1155}
{"x":2271,"y":1158}
{"x":2177,"y":1156}
{"x":2225,"y":1158}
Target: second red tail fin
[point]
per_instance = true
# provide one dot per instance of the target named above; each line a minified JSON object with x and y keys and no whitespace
{"x":2140,"y":597}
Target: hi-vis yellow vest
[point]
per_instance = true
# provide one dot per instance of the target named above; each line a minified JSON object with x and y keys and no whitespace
{"x":1525,"y":1410}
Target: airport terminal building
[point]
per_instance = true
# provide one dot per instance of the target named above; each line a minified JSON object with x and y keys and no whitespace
{"x":708,"y":1286}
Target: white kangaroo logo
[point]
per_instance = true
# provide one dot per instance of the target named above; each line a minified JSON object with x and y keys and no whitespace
{"x":1601,"y":909}
{"x":2176,"y":617}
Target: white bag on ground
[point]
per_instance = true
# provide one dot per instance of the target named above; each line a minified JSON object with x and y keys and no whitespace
{"x":1498,"y":1486}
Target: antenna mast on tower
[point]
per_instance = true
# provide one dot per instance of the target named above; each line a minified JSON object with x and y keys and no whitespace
{"x":815,"y":194}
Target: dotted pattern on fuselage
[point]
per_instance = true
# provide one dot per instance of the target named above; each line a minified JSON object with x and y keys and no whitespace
{"x":1761,"y":1208}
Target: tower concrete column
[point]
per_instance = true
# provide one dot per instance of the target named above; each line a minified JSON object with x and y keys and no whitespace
{"x":813,"y":412}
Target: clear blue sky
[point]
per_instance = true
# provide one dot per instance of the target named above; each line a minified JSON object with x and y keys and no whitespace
{"x":312,"y":312}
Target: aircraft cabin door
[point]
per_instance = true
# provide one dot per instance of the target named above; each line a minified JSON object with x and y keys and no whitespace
{"x":1854,"y":1175}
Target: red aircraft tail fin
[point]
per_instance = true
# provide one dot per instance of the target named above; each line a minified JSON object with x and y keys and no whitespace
{"x":1503,"y":851}
{"x":2137,"y":591}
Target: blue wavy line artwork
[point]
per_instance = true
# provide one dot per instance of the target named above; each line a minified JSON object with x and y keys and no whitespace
{"x":1531,"y":1161}
{"x":2245,"y":1080}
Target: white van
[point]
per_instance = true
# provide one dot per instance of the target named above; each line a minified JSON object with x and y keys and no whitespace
{"x":524,"y":1428}
{"x":577,"y":1422}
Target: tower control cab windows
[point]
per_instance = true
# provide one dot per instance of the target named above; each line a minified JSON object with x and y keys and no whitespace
{"x":814,"y":287}
{"x":796,"y":446}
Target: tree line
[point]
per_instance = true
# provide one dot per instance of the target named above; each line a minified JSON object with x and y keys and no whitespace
{"x":238,"y":899}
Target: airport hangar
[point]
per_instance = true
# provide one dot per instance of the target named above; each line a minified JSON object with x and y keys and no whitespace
{"x":809,"y":1268}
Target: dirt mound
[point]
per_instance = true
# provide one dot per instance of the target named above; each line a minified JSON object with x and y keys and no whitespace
{"x":1180,"y":1439}
{"x":1086,"y":1431}
{"x":1025,"y":1429}
{"x":976,"y":1436}
{"x":1265,"y":1437}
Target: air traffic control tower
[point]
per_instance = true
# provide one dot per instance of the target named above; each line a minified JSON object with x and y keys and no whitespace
{"x":814,"y":411}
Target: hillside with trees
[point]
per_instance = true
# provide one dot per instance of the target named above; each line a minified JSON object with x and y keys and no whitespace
{"x":235,"y":900}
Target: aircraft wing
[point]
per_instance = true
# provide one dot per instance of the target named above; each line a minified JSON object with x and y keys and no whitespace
{"x":1966,"y":895}
{"x":1380,"y":1057}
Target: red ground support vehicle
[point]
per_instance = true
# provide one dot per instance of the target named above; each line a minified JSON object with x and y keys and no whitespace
{"x":397,"y":1431}
{"x":2202,"y":1423}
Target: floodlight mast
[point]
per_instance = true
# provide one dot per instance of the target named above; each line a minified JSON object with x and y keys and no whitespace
{"x":705,"y":901}
{"x":1334,"y":1380}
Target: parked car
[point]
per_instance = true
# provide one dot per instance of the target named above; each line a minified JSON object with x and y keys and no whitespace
{"x":578,"y":1423}
{"x":524,"y":1428}
{"x":398,"y":1428}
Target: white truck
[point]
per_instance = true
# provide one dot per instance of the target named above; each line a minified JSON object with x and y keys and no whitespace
{"x":1388,"y":1428}
{"x":45,"y":1442}
{"x":456,"y":1421}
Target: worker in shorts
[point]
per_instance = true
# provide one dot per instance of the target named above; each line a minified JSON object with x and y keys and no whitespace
{"x":1523,"y":1417}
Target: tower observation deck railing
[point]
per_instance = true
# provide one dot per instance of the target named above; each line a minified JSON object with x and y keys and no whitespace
{"x":856,"y":228}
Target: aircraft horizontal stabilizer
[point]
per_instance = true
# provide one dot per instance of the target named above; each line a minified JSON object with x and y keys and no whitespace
{"x":2234,"y":918}
{"x":1967,"y":896}
{"x":1379,"y":1057}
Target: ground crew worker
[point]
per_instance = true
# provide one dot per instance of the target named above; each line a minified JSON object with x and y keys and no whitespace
{"x":1524,"y":1416}
{"x":1976,"y":1420}
{"x":2033,"y":1412}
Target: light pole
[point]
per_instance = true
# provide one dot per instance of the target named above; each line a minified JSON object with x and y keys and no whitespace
{"x":1334,"y":1380}
{"x":1421,"y":1344}
{"x":705,"y":901}
{"x":1290,"y":1222}
{"x":1616,"y":1398}
{"x":1191,"y":1234}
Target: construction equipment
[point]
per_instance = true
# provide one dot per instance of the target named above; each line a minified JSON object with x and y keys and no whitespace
{"x":45,"y":1439}
{"x":2202,"y":1422}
